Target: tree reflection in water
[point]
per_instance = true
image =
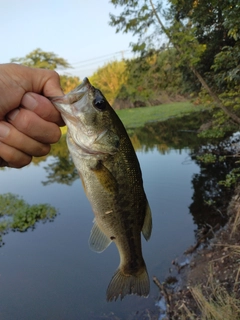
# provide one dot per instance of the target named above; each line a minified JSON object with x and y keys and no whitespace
{"x":18,"y":215}
{"x":210,"y":199}
{"x":176,"y":133}
{"x":61,"y":169}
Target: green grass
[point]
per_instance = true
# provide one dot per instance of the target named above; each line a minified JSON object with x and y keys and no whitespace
{"x":137,"y":117}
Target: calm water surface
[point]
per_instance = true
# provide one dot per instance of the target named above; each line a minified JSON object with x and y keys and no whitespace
{"x":50,"y":272}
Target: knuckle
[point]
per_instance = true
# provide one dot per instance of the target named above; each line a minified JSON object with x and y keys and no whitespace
{"x":54,"y":74}
{"x":56,"y":136}
{"x":19,"y":163}
{"x":16,"y":159}
{"x":26,"y":124}
{"x":42,"y":150}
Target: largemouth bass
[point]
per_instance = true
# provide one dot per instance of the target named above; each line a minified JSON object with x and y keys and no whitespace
{"x":111,"y":177}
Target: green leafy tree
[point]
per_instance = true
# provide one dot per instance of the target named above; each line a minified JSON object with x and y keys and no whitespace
{"x":216,"y":26}
{"x":140,"y":16}
{"x":42,"y":59}
{"x":152,"y":78}
{"x":49,"y":60}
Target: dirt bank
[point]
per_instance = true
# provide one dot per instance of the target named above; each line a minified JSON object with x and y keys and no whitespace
{"x":208,"y":284}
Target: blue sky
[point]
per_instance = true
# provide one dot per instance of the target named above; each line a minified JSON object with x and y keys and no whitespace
{"x":76,"y":30}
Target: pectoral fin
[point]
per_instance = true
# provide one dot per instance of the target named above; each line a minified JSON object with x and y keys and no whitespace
{"x":147,"y":226}
{"x":105,"y":177}
{"x":98,"y":241}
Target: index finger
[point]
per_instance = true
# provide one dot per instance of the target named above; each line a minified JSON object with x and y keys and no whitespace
{"x":16,"y":80}
{"x":42,"y":107}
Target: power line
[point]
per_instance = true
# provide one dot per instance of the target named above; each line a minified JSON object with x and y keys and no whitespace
{"x":90,"y":64}
{"x":94,"y":61}
{"x":100,"y":57}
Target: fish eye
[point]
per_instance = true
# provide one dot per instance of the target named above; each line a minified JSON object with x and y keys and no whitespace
{"x":100,"y":103}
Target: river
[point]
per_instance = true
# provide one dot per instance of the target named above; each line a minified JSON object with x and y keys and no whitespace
{"x":49,"y":272}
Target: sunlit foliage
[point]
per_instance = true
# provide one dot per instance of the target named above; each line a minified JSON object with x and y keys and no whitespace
{"x":68,"y":83}
{"x":110,"y":78}
{"x":42,"y":59}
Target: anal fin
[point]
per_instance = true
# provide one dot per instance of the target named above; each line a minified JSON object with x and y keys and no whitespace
{"x":98,"y":241}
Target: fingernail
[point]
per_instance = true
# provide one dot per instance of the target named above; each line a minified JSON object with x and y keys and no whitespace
{"x":12,"y":115}
{"x":4,"y":130}
{"x":28,"y":101}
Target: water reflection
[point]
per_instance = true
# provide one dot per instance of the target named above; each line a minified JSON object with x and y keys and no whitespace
{"x":176,"y":133}
{"x":209,"y":198}
{"x":17,"y":215}
{"x":52,"y":269}
{"x":61,"y":169}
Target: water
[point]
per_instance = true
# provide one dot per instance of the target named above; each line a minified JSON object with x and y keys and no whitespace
{"x":50,"y":272}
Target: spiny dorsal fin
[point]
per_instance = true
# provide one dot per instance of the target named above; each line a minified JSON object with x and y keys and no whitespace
{"x":147,"y":226}
{"x":98,"y":241}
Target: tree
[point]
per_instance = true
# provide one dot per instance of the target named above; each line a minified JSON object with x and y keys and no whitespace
{"x":140,"y":16}
{"x":49,"y":60}
{"x":137,"y":17}
{"x":151,"y":78}
{"x":215,"y":26}
{"x":68,"y":83}
{"x":42,"y":59}
{"x":110,"y":78}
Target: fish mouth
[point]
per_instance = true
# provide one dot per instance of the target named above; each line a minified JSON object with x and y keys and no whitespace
{"x":77,"y":93}
{"x":74,"y":102}
{"x":73,"y":96}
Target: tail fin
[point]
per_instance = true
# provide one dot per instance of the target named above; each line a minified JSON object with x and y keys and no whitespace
{"x":122,"y":285}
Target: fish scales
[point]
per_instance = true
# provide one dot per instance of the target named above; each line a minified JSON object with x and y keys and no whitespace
{"x":111,"y":176}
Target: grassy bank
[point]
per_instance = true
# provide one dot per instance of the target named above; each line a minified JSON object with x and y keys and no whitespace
{"x":137,"y":117}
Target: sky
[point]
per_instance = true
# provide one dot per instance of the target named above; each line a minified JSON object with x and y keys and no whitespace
{"x":76,"y":30}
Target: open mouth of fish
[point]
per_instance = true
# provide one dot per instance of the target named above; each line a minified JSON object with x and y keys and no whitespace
{"x":72,"y":106}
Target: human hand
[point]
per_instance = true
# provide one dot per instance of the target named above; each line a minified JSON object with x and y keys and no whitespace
{"x":29,"y":122}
